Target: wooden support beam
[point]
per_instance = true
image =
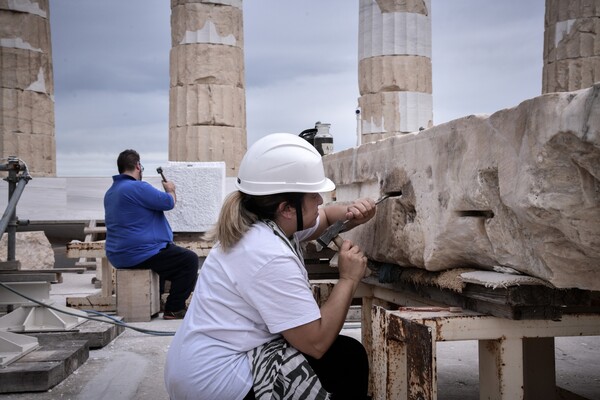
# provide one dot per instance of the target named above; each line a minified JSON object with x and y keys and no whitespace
{"x":94,"y":302}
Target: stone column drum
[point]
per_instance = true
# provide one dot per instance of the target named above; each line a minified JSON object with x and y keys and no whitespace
{"x":207,"y":116}
{"x":27,"y":86}
{"x":571,"y":45}
{"x":394,"y":70}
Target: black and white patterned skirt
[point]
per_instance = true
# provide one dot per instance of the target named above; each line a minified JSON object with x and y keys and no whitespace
{"x":281,"y":372}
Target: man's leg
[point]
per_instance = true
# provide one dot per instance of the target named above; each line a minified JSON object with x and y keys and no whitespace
{"x":180,"y":266}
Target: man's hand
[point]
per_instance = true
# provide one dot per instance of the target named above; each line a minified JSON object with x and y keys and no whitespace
{"x":169,"y":186}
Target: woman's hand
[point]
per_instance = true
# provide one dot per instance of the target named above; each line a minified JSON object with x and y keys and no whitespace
{"x":315,"y":338}
{"x":352,"y":263}
{"x":360,"y":212}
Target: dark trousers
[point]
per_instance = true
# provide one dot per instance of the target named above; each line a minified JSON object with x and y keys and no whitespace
{"x":343,"y":370}
{"x":180,"y":267}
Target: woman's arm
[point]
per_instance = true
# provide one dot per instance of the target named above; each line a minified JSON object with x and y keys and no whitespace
{"x":359,"y":212}
{"x":316,"y":337}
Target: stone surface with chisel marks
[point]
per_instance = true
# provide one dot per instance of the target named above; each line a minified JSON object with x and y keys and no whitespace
{"x":534,"y":167}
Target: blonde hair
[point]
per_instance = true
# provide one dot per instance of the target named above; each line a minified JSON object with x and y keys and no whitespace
{"x":240,"y":211}
{"x":234,"y":221}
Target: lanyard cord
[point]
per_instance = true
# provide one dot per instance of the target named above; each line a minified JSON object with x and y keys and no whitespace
{"x":293,"y":244}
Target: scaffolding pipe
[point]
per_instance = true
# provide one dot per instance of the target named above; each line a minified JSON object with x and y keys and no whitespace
{"x":11,"y":208}
{"x":16,"y":185}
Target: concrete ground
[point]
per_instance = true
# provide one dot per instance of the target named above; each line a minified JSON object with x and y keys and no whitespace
{"x":131,"y":366}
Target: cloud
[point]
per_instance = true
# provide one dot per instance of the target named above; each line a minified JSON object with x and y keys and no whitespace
{"x":111,"y":70}
{"x":295,"y":105}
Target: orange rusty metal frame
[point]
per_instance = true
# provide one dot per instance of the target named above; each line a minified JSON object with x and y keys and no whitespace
{"x":402,"y":347}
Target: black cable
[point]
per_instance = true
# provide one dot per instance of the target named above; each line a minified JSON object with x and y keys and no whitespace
{"x":112,"y":320}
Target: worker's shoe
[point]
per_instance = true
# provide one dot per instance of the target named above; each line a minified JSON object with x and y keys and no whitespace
{"x":174,"y":314}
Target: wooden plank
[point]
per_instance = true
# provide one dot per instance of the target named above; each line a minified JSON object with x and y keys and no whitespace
{"x":44,"y":368}
{"x":31,"y":277}
{"x":94,"y":302}
{"x":97,"y":334}
{"x":138,"y":297}
{"x":46,"y":271}
{"x":94,"y":229}
{"x":321,"y":270}
{"x":88,"y":237}
{"x":491,"y":304}
{"x":529,"y":295}
{"x":86,"y":249}
{"x":88,"y":265}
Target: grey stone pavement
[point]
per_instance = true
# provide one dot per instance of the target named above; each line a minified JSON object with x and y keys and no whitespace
{"x":131,"y":366}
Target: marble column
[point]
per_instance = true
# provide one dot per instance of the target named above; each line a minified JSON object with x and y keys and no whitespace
{"x":207,"y":116}
{"x":27,"y":86}
{"x":571,"y":45}
{"x":394,"y":70}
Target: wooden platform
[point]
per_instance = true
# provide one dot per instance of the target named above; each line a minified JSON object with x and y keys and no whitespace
{"x":138,"y":297}
{"x":404,"y":314}
{"x":513,"y":302}
{"x":106,"y":301}
{"x":45,"y":367}
{"x":53,"y":275}
{"x":97,"y":334}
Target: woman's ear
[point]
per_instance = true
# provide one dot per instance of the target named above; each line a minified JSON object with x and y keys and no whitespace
{"x":286,"y":210}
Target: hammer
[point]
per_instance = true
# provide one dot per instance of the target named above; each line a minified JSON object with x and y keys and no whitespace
{"x":160,"y":171}
{"x":333,"y":232}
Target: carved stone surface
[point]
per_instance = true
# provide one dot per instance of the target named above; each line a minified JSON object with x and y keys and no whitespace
{"x":203,"y":63}
{"x":519,"y":188}
{"x":27,"y":86}
{"x":207,"y":115}
{"x":220,"y":105}
{"x":205,"y":23}
{"x":32,"y":249}
{"x":207,"y":143}
{"x":571,"y":45}
{"x":394,"y":71}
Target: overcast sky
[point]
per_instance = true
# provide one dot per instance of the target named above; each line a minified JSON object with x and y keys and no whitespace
{"x":111,"y":70}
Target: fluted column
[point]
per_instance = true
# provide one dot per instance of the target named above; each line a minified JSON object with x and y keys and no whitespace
{"x":27,"y":85}
{"x":394,"y":70}
{"x":571,"y":45}
{"x":207,"y":118}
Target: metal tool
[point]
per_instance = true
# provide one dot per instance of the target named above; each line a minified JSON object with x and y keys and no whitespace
{"x":160,"y":171}
{"x":332,"y":233}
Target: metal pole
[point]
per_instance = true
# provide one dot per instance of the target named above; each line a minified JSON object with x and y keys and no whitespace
{"x":11,"y":208}
{"x":16,"y":185}
{"x":12,"y":219}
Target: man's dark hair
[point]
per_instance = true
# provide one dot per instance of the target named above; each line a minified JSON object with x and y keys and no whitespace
{"x":127,"y":160}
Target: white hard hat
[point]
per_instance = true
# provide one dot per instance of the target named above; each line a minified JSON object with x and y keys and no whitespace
{"x":280,"y":163}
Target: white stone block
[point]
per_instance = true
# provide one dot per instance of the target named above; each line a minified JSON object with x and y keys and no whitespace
{"x":200,"y":193}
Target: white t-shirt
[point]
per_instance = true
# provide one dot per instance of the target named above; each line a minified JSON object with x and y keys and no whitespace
{"x":243,"y":299}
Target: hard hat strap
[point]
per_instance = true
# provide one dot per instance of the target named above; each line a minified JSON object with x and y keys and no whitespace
{"x":299,"y":222}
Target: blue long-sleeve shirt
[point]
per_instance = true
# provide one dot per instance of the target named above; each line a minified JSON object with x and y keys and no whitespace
{"x":136,"y":227}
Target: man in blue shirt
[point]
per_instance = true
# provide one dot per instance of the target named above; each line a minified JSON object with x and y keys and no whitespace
{"x":138,"y":234}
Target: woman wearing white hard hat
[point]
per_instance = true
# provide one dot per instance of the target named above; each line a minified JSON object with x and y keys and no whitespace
{"x":253,"y":329}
